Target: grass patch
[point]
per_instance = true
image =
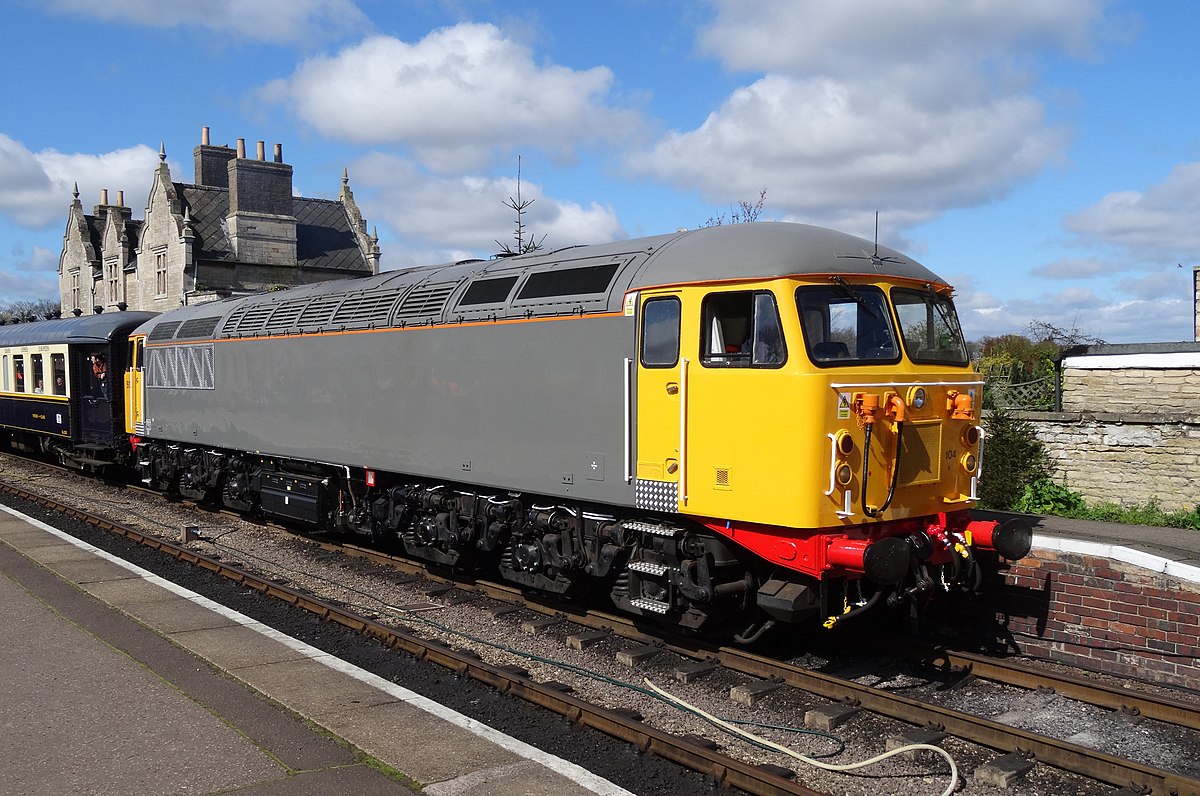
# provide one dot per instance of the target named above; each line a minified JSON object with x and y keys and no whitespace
{"x":1043,"y":496}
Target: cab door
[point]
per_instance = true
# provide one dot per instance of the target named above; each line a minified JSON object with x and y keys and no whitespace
{"x":134,"y":394}
{"x":660,"y":404}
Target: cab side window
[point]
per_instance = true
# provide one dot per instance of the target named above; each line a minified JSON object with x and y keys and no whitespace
{"x":660,"y":333}
{"x":742,"y":329}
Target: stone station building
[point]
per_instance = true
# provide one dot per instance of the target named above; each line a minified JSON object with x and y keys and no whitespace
{"x":236,"y":229}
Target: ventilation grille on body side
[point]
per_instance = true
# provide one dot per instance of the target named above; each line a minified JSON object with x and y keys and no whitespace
{"x":425,"y":300}
{"x":373,"y":308}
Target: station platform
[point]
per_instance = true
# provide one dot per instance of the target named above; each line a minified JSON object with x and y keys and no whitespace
{"x":117,"y":681}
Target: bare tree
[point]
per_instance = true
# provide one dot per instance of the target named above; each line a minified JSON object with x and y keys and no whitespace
{"x":524,"y":245}
{"x":25,"y":310}
{"x":745,"y":212}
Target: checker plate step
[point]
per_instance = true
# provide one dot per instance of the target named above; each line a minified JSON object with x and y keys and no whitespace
{"x":648,"y":567}
{"x":653,"y":606}
{"x":646,"y":527}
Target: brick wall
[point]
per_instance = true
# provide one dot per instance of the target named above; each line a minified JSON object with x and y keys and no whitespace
{"x":1089,"y":611}
{"x":1103,"y":614}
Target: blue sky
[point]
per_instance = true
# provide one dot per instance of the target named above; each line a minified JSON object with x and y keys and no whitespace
{"x":1042,"y":155}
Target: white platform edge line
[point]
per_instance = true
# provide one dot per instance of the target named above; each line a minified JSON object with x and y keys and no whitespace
{"x":1128,"y":555}
{"x":577,"y":774}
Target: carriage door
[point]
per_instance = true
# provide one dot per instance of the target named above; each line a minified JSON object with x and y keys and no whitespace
{"x":92,"y":382}
{"x":661,"y":403}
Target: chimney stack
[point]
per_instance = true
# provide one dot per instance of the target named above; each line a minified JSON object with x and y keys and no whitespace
{"x":261,"y":222}
{"x":104,"y":196}
{"x":211,"y":162}
{"x":120,"y":198}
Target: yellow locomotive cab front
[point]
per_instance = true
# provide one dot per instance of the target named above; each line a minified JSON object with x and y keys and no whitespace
{"x":808,"y":419}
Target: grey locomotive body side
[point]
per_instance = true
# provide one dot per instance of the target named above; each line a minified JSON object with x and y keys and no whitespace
{"x":533,"y":406}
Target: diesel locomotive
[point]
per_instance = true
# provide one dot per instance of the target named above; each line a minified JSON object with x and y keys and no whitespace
{"x":721,"y":429}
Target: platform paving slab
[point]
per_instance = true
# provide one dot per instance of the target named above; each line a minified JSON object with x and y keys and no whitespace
{"x":235,"y":647}
{"x":402,"y":736}
{"x":310,"y":688}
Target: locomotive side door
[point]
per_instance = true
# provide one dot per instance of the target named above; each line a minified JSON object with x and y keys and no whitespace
{"x":661,"y":403}
{"x":134,"y":383}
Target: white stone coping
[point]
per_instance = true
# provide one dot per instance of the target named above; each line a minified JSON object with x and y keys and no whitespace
{"x":1174,"y":360}
{"x":1128,"y":555}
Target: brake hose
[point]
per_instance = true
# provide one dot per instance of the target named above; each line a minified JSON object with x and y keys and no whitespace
{"x":870,"y":512}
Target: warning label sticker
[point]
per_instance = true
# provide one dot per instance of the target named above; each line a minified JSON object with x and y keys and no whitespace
{"x":843,"y":410}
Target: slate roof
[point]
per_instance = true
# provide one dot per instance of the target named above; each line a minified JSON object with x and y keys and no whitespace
{"x":324,"y":238}
{"x":95,"y":232}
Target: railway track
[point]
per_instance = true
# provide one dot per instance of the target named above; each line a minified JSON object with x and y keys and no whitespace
{"x":1092,"y":763}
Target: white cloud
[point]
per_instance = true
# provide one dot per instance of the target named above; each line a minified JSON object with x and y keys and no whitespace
{"x":1155,"y":308}
{"x":443,"y":219}
{"x":908,"y":108}
{"x":1078,"y":268}
{"x":276,"y":21}
{"x":28,"y":275}
{"x":1158,"y":225}
{"x":827,"y":150}
{"x":457,"y":98}
{"x":38,"y":185}
{"x":867,"y":38}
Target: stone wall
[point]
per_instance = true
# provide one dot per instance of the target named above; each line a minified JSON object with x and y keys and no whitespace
{"x":1153,"y":391}
{"x":1125,"y":458}
{"x":1129,"y":428}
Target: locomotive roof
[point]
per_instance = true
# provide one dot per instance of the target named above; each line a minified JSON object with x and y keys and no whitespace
{"x":575,"y":280}
{"x":103,"y":328}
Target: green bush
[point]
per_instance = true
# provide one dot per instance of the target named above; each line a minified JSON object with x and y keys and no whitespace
{"x":1013,"y":458}
{"x":1043,"y":496}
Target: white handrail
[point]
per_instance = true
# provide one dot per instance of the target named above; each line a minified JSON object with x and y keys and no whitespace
{"x":683,"y":396}
{"x":628,"y":420}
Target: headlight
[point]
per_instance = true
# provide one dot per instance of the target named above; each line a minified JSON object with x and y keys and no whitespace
{"x":916,"y":397}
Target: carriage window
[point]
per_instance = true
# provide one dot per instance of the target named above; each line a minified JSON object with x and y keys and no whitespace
{"x":39,"y":381}
{"x":929,"y":327}
{"x":742,"y":330}
{"x":19,"y":372}
{"x":660,"y":333}
{"x":846,"y":324}
{"x":58,"y":364}
{"x":4,"y":373}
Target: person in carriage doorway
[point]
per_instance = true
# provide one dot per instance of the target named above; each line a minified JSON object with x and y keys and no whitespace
{"x":100,"y":375}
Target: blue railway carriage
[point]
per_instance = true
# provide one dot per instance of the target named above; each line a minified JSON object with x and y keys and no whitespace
{"x":56,"y":388}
